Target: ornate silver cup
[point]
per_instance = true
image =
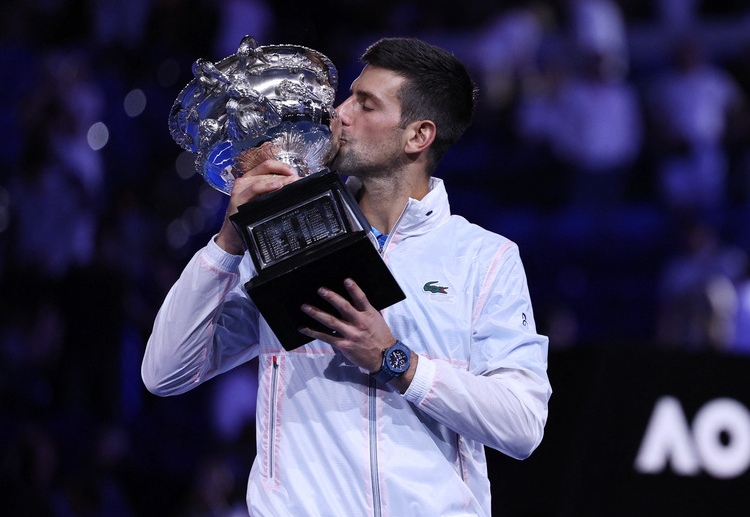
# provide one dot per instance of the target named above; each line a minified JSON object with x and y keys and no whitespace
{"x":277,"y":101}
{"x":282,"y":94}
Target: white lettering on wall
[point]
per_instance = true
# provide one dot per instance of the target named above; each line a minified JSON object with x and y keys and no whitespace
{"x":718,"y":443}
{"x":667,"y":440}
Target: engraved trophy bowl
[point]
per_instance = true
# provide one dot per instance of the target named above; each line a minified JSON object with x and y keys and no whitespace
{"x":277,"y":101}
{"x":282,"y":94}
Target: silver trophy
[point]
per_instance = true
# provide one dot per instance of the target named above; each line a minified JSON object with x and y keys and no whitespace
{"x":276,"y":101}
{"x":281,"y":94}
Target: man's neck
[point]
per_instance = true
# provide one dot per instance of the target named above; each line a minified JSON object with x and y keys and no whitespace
{"x":382,"y":200}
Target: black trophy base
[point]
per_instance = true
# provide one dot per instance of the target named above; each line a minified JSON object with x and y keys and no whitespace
{"x":280,"y":293}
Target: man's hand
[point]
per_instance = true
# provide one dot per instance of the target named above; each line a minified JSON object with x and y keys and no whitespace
{"x":359,"y":332}
{"x":266,"y":176}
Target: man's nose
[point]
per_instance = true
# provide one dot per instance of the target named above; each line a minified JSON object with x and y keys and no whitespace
{"x":343,"y":111}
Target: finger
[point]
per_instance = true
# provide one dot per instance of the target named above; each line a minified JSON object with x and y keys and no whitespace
{"x":358,"y":296}
{"x":341,"y":304}
{"x":332,"y":338}
{"x":262,"y":184}
{"x":248,"y":188}
{"x":251,"y":157}
{"x":326,"y":319}
{"x":266,"y":167}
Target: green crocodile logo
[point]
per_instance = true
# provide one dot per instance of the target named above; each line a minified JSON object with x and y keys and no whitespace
{"x":430,"y":287}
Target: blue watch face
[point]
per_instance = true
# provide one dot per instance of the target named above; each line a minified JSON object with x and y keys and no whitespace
{"x":398,"y":360}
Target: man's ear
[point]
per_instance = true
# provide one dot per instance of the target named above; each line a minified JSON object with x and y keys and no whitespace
{"x":421,"y":134}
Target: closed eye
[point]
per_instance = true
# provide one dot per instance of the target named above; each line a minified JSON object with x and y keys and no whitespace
{"x":366,"y":100}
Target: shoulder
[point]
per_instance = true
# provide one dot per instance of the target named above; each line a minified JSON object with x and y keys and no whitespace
{"x":463,"y":230}
{"x":471,"y":240}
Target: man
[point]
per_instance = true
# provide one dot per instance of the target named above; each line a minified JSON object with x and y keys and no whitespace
{"x":341,"y":430}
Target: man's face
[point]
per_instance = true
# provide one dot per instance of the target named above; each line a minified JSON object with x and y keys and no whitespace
{"x":371,"y":142}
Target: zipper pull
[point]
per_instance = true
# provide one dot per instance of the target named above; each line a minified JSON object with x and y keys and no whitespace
{"x":381,"y":238}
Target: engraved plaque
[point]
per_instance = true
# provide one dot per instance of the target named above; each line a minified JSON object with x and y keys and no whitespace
{"x":296,"y":229}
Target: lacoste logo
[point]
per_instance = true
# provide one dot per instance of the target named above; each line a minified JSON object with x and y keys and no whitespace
{"x":430,"y":287}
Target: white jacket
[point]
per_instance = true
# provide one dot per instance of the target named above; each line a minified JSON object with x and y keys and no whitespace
{"x":332,"y":442}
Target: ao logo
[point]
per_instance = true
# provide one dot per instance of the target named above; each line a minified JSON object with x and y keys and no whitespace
{"x":719,"y":441}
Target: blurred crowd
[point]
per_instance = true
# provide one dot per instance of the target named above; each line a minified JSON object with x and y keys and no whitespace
{"x":611,"y":143}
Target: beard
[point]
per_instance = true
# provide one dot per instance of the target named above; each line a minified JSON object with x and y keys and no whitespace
{"x":371,"y":161}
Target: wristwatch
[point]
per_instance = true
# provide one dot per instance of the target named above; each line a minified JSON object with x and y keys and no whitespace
{"x":396,"y":360}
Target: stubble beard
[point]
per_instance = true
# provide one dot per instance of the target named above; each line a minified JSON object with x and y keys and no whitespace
{"x":353,"y":161}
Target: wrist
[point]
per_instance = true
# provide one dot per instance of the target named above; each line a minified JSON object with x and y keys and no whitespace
{"x":403,"y":382}
{"x":229,"y":240}
{"x":396,"y":362}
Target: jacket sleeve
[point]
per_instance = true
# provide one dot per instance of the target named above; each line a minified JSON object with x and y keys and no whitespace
{"x":206,"y":325}
{"x":501,"y":399}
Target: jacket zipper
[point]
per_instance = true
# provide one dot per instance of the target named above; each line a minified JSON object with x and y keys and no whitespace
{"x":374,"y":477}
{"x":382,"y":248}
{"x":460,"y":458}
{"x":373,"y":414}
{"x":272,"y":417}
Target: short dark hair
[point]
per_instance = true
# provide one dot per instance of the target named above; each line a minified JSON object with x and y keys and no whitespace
{"x":437,"y":87}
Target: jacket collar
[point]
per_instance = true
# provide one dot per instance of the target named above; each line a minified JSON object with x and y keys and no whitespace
{"x":419,"y":216}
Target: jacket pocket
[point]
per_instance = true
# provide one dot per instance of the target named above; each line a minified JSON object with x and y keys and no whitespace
{"x":272,"y":437}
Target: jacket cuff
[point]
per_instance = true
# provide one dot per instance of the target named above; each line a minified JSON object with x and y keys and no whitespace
{"x":422,"y":380}
{"x":220,"y":259}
